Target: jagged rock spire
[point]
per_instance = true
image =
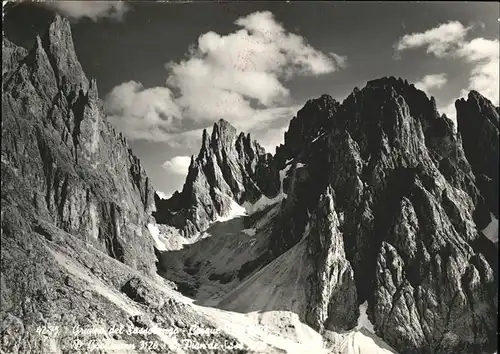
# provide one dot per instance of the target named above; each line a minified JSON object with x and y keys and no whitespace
{"x":58,"y":43}
{"x":478,"y":124}
{"x":69,"y":163}
{"x":229,"y":169}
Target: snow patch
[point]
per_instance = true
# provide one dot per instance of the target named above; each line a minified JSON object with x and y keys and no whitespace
{"x":307,"y":229}
{"x":363,"y":320}
{"x":261,"y":204}
{"x":341,"y":217}
{"x":235,"y":211}
{"x":162,"y":195}
{"x":155,"y":232}
{"x":249,"y":232}
{"x":283,"y":173}
{"x":94,"y":220}
{"x":319,"y":136}
{"x":491,"y":231}
{"x":358,"y":342}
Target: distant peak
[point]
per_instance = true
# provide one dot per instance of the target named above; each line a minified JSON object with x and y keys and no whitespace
{"x":59,"y":30}
{"x":222,"y":123}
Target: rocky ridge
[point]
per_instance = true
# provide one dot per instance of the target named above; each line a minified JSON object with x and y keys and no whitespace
{"x":229,"y":168}
{"x":62,"y":160}
{"x":398,"y":208}
{"x":478,"y":122}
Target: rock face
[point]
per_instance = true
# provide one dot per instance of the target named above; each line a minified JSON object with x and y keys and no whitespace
{"x":392,"y":202}
{"x":229,"y":170}
{"x":311,"y":122}
{"x":478,"y":123}
{"x":408,"y":202}
{"x":332,"y":300}
{"x":11,"y":56}
{"x":62,"y":162}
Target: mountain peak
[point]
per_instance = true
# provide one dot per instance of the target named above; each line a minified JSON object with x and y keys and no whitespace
{"x":477,"y":102}
{"x":229,"y":169}
{"x":223,"y":133}
{"x":60,"y":24}
{"x":60,"y":49}
{"x":312,"y":121}
{"x":386,"y":81}
{"x":479,"y":99}
{"x":324,"y":101}
{"x":478,"y":124}
{"x":222,"y":123}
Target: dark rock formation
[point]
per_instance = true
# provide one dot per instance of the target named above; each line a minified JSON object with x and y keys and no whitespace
{"x":138,"y":290}
{"x":229,"y":169}
{"x":332,"y":302}
{"x":311,"y":122}
{"x":392,"y":207}
{"x":406,"y":198}
{"x":73,"y":194}
{"x":478,"y":123}
{"x":62,"y":162}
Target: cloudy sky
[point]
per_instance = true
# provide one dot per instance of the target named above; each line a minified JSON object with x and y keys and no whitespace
{"x":168,"y":70}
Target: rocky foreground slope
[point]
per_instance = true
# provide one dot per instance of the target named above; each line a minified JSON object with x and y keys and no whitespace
{"x":373,"y":203}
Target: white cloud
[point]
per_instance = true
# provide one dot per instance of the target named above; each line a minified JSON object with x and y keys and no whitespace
{"x":339,"y":59}
{"x":429,"y":82}
{"x":449,"y":41}
{"x":450,"y":111}
{"x":178,"y":165}
{"x":439,"y":41}
{"x":143,"y":113}
{"x":94,"y":10}
{"x":238,"y":76}
{"x":270,"y":138}
{"x":485,"y":78}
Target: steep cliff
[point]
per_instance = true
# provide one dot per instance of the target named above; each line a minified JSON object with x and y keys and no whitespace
{"x":408,"y":202}
{"x":382,"y":202}
{"x":77,"y":259}
{"x":478,"y":123}
{"x":62,"y":162}
{"x":11,"y":56}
